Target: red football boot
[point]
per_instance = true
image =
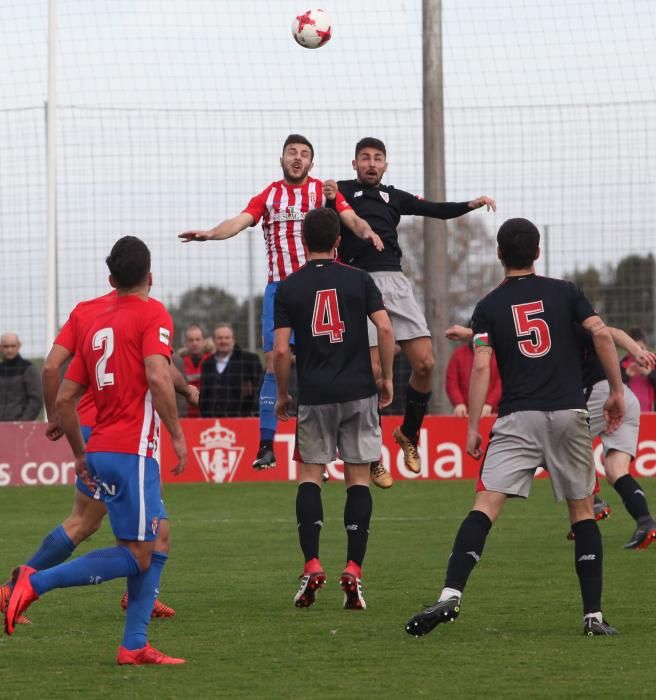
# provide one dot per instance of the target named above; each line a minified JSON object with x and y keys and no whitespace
{"x":145,"y":656}
{"x":312,"y":579}
{"x":5,"y":593}
{"x":22,"y":596}
{"x":160,"y":610}
{"x":351,"y":583}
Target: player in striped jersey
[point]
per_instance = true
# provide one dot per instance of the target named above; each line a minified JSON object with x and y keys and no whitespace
{"x":282,"y":206}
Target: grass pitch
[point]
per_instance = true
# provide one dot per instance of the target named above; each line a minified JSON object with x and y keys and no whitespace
{"x":233,"y":573}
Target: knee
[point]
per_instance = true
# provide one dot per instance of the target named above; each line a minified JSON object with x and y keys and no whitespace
{"x":424,"y":366}
{"x":163,"y":543}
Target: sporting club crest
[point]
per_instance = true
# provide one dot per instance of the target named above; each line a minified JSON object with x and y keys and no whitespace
{"x":218,"y":457}
{"x":384,"y":196}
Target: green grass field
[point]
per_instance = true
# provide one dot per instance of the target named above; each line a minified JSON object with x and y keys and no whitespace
{"x":233,"y":573}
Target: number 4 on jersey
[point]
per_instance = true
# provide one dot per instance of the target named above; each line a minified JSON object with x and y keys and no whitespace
{"x":326,"y":319}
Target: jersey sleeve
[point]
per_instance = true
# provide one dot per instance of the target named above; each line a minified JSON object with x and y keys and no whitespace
{"x":158,"y":334}
{"x":281,"y":312}
{"x":411,"y":204}
{"x":341,"y":204}
{"x":374,"y":297}
{"x":77,"y":370}
{"x":581,"y":307}
{"x":67,"y":335}
{"x":481,"y":329}
{"x":257,"y":206}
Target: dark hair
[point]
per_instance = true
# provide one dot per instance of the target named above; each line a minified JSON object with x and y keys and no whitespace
{"x":297,"y":138}
{"x":320,"y":230}
{"x":370,"y":142}
{"x":518,"y":241}
{"x":638,"y":335}
{"x":129,"y":262}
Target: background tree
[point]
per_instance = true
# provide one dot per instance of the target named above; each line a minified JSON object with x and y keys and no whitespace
{"x":209,"y":306}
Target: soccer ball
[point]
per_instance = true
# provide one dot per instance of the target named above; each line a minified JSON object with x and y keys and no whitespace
{"x":312,"y":29}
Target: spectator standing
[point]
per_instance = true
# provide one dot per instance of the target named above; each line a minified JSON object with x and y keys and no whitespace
{"x":194,"y":354}
{"x":641,"y":380}
{"x":458,"y":376}
{"x":230,"y":378}
{"x":20,"y":383}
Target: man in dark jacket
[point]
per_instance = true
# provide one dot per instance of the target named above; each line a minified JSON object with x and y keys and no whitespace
{"x":20,"y":384}
{"x":230,"y":378}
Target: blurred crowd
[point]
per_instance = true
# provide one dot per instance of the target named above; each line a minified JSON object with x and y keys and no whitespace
{"x":229,"y":378}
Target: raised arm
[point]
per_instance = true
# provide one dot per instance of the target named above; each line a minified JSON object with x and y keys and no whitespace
{"x":226,"y":229}
{"x":441,"y":210}
{"x":349,"y":218}
{"x":643,"y":357}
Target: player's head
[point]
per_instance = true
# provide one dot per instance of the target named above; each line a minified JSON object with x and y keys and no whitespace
{"x":297,"y":159}
{"x":224,"y":339}
{"x":129,"y":264}
{"x":518,"y":243}
{"x":370,"y":161}
{"x":9,"y":345}
{"x":195,"y":340}
{"x":321,"y":230}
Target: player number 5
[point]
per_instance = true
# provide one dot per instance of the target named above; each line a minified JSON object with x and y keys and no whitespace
{"x":539,"y":343}
{"x":326,"y":319}
{"x":104,"y":340}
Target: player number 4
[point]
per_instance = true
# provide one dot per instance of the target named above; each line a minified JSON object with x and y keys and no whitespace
{"x":326,"y":319}
{"x":104,"y":340}
{"x":539,"y":342}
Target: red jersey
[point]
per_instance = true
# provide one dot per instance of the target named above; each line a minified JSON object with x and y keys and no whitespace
{"x":282,"y":208}
{"x":72,"y":333}
{"x":111,"y":361}
{"x":192,"y":375}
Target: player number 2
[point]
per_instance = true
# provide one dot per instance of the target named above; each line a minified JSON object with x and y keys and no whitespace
{"x":326,"y":319}
{"x":104,"y":340}
{"x":539,"y":342}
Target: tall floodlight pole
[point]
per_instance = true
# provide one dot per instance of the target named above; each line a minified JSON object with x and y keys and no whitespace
{"x":51,"y":166}
{"x":436,"y":267}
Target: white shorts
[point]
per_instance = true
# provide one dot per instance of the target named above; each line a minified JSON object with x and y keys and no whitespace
{"x":408,"y":320}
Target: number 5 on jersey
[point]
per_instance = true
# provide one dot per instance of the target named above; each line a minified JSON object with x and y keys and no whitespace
{"x":539,"y":342}
{"x":326,"y":319}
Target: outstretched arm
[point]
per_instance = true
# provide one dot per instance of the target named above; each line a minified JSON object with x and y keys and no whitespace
{"x":441,"y":210}
{"x":349,"y":218}
{"x":645,"y":358}
{"x":226,"y":229}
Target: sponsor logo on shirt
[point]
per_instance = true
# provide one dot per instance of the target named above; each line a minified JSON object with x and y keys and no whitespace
{"x":164,"y":335}
{"x":384,"y":196}
{"x":218,"y":456}
{"x":288,"y":214}
{"x":357,"y":194}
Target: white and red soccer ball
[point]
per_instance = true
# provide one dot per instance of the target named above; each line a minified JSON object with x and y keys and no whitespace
{"x":312,"y":29}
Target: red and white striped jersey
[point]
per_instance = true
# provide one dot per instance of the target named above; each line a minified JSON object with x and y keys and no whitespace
{"x":110,"y":360}
{"x":282,"y":208}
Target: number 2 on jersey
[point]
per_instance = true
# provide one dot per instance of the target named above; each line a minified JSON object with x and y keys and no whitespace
{"x":104,"y":340}
{"x":326,"y":319}
{"x":539,"y":343}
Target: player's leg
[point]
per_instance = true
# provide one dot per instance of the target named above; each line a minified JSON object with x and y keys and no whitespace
{"x":159,"y":558}
{"x":619,"y":449}
{"x":513,"y":455}
{"x":309,"y":521}
{"x":316,"y":430}
{"x":266,"y":458}
{"x":419,"y":352}
{"x":568,"y":455}
{"x":379,"y":475}
{"x":359,"y":439}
